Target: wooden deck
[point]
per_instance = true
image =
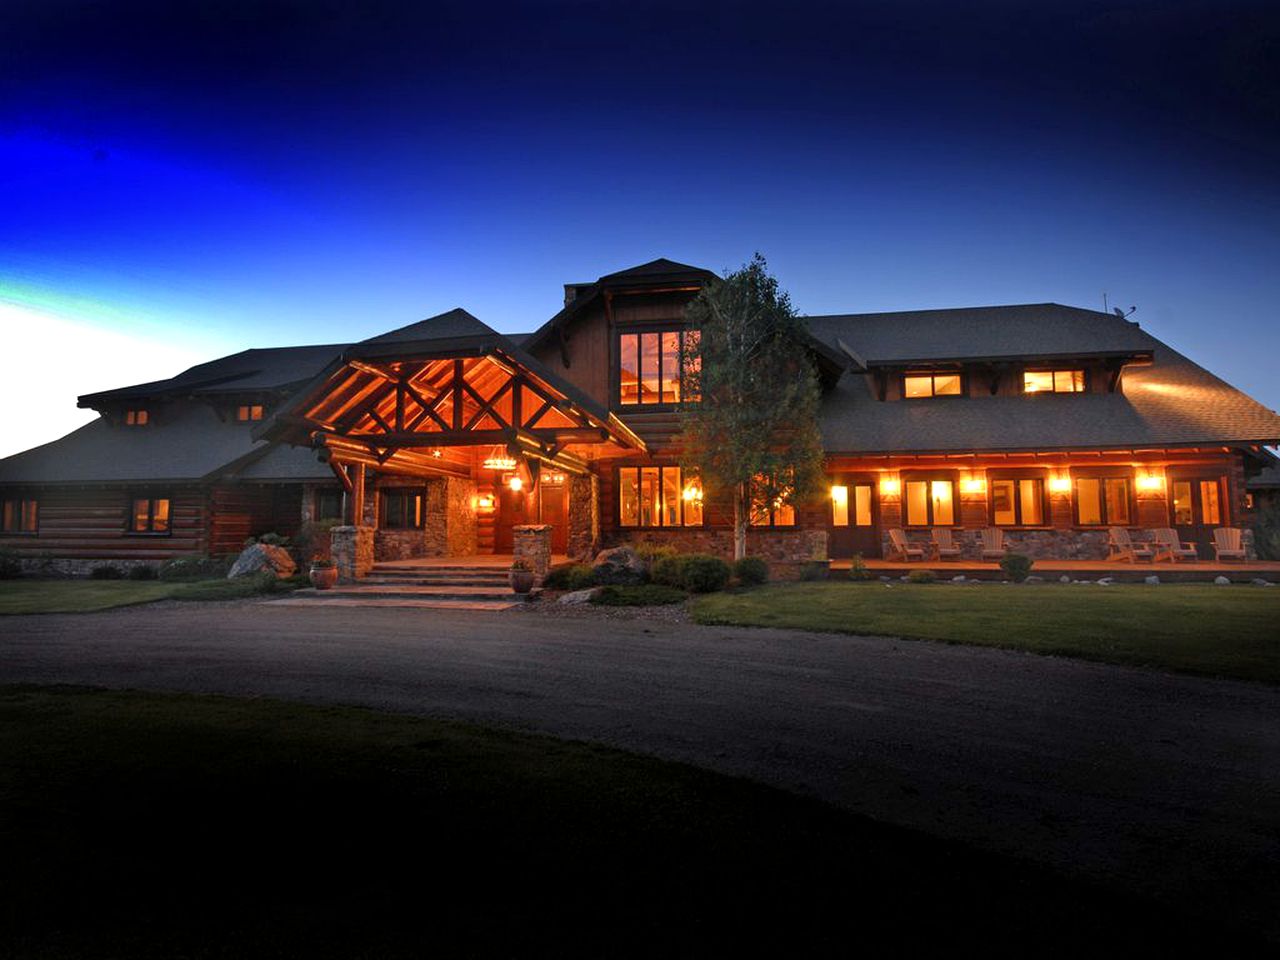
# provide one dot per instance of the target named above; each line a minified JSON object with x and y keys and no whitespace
{"x":1083,"y":569}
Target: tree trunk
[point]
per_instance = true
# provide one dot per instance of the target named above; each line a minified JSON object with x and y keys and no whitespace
{"x":740,"y":522}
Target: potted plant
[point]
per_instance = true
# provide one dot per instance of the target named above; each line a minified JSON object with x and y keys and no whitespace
{"x":324,"y":573}
{"x":521,"y":577}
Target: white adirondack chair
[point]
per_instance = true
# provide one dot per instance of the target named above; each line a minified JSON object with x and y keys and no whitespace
{"x":1121,"y":547}
{"x":943,"y":546}
{"x":1169,"y":547}
{"x":992,"y":543}
{"x":1228,"y":543}
{"x":900,"y":545}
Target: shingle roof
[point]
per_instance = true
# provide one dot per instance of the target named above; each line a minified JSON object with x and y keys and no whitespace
{"x":452,"y":323}
{"x":659,"y":269}
{"x":1171,"y":402}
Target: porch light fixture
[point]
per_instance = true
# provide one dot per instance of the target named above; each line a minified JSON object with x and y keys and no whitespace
{"x":1150,"y":482}
{"x":499,"y":459}
{"x":692,"y":493}
{"x":890,"y":487}
{"x":1061,"y":483}
{"x":973,"y":485}
{"x":840,"y":494}
{"x":485,"y":502}
{"x":515,"y":483}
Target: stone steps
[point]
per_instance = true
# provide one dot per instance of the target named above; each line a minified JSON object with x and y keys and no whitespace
{"x":456,"y":586}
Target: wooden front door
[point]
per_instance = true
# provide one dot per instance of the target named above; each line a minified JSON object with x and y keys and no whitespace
{"x":1198,"y":504}
{"x":513,"y":509}
{"x":854,"y":519}
{"x":553,"y":501}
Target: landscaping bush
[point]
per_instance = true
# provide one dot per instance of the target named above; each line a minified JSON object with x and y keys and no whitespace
{"x":193,"y":568}
{"x":815,"y":570}
{"x":858,"y":568}
{"x":106,"y":571}
{"x":640,"y":595}
{"x":273,"y":539}
{"x":314,"y":539}
{"x":668,"y":570}
{"x":1016,"y":566}
{"x":751,"y":571}
{"x":142,"y":571}
{"x":10,"y":568}
{"x":922,"y":576}
{"x":650,"y":553}
{"x":704,"y":573}
{"x":557,"y":578}
{"x":581,"y":576}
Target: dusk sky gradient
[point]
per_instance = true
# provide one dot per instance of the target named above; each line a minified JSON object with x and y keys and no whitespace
{"x":182,"y":181}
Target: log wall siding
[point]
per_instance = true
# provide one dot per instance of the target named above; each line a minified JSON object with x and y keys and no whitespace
{"x":90,"y":523}
{"x":242,"y":510}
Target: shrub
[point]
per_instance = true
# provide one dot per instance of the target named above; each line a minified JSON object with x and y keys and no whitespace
{"x":640,"y":595}
{"x":10,"y":567}
{"x":921,"y":576}
{"x":106,"y":571}
{"x":652,"y":552}
{"x":557,"y":578}
{"x":142,"y":571}
{"x":815,"y":570}
{"x":1016,"y":566}
{"x":704,"y":573}
{"x":668,"y":569}
{"x":581,"y":576}
{"x":751,"y":571}
{"x":193,"y":568}
{"x":273,"y":539}
{"x":313,"y":538}
{"x":858,"y":568}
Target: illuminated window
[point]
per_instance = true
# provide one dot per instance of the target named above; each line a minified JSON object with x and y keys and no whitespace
{"x":1017,"y":502}
{"x":916,"y":385}
{"x":658,"y":497}
{"x":930,"y":503}
{"x":136,"y":418}
{"x":771,"y":502}
{"x":1053,"y":381}
{"x":861,"y":512}
{"x":1185,"y":493}
{"x":249,"y":411}
{"x":649,"y":366}
{"x":328,"y":505}
{"x":20,"y":515}
{"x":402,"y":509}
{"x":149,"y":515}
{"x":1102,"y":500}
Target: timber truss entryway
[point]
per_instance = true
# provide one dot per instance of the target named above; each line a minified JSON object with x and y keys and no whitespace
{"x":474,"y":408}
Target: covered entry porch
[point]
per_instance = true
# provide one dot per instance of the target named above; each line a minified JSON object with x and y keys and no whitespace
{"x":454,"y":447}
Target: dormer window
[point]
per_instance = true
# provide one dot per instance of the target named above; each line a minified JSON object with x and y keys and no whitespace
{"x":1053,"y":381}
{"x":931,"y":384}
{"x":136,"y":418}
{"x":248,"y":412}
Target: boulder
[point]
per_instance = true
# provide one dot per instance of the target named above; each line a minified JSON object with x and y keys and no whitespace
{"x":618,"y":565}
{"x":1153,"y":580}
{"x":1222,"y":581}
{"x":576,"y":597}
{"x":263,"y":558}
{"x":959,"y":578}
{"x":1064,"y":579}
{"x":1259,"y":582}
{"x":1034,"y":580}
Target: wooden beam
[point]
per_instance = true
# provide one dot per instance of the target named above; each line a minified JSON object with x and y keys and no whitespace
{"x":373,"y":369}
{"x":474,"y":438}
{"x":340,"y":471}
{"x":357,"y":495}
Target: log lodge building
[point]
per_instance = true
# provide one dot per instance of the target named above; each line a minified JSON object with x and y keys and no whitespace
{"x":446,"y":438}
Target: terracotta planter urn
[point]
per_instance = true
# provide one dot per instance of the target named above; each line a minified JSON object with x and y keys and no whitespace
{"x":323,"y":578}
{"x":521,"y":580}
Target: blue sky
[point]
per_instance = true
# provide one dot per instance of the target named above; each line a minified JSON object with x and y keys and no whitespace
{"x":182,"y":181}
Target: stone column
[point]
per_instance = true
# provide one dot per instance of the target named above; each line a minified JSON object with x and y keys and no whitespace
{"x":352,"y":550}
{"x":531,"y":542}
{"x":584,"y":516}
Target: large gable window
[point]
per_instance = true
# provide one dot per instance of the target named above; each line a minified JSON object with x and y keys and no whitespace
{"x":1053,"y":381}
{"x":932,"y":384}
{"x":20,"y":515}
{"x":1103,"y":501}
{"x":649,"y":366}
{"x":150,"y":515}
{"x":402,"y":509}
{"x":658,"y":497}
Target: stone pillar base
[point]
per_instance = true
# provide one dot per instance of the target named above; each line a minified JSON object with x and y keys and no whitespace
{"x":531,"y":543}
{"x":352,"y":549}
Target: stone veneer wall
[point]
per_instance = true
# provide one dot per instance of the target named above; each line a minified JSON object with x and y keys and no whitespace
{"x":353,"y":552}
{"x":584,"y":517}
{"x":531,"y":542}
{"x":776,"y":546}
{"x":449,"y":519}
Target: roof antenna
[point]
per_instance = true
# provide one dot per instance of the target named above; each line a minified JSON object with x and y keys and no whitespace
{"x":1104,"y":301}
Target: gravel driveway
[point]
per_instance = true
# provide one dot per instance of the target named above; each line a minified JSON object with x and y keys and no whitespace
{"x":1167,"y":785}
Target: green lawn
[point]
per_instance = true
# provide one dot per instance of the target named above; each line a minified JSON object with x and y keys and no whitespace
{"x":147,"y":825}
{"x":86,"y":596}
{"x":1201,"y":629}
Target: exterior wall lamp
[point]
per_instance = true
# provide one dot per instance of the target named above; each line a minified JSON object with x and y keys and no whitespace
{"x":1150,"y":482}
{"x":1060,"y":483}
{"x":890,"y":487}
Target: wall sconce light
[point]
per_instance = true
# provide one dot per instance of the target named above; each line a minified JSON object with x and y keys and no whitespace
{"x":973,"y":485}
{"x":1150,"y":482}
{"x":692,"y":493}
{"x":839,"y":494}
{"x":516,"y":484}
{"x":1060,"y":484}
{"x":485,"y":502}
{"x":889,"y":487}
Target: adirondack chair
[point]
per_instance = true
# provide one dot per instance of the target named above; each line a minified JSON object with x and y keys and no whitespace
{"x":1121,"y":547}
{"x":943,"y":547}
{"x":1168,"y":547}
{"x":1228,"y":543}
{"x":900,"y":545}
{"x":992,"y":543}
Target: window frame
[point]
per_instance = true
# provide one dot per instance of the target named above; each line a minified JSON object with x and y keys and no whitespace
{"x":930,"y":477}
{"x":772,"y":510}
{"x":137,"y":417}
{"x":638,"y":330}
{"x":994,"y":477}
{"x":150,"y":531}
{"x":660,"y":467}
{"x":405,"y":494}
{"x":317,"y":514}
{"x":1054,"y":371}
{"x":21,"y":499}
{"x":933,"y":374}
{"x":1102,"y":476}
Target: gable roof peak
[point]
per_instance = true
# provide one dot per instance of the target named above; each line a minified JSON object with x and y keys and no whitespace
{"x":448,"y":325}
{"x":655,"y":269}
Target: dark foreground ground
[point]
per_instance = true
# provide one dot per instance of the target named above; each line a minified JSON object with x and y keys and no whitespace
{"x":1162,"y":787}
{"x":145,"y":825}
